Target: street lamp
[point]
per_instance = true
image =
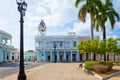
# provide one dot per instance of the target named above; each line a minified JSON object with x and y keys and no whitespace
{"x":22,"y":6}
{"x":54,"y":46}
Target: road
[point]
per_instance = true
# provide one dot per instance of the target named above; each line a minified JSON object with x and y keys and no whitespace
{"x":7,"y":69}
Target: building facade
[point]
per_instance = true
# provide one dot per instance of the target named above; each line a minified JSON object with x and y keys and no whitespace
{"x":15,"y":55}
{"x":5,"y":47}
{"x":57,"y":48}
{"x":30,"y":55}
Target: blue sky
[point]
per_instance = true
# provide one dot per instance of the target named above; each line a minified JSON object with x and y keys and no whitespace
{"x":60,"y":18}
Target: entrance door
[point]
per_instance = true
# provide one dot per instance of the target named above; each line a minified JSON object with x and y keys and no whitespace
{"x":74,"y":57}
{"x":48,"y":57}
{"x":81,"y":57}
{"x":67,"y":57}
{"x":61,"y":57}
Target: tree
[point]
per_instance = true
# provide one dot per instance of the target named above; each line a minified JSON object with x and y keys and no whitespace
{"x":88,"y":7}
{"x":85,"y":47}
{"x":105,"y":11}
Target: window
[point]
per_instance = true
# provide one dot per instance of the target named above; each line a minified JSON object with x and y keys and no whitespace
{"x":47,"y":45}
{"x":68,"y":44}
{"x":74,"y":43}
{"x":61,"y":44}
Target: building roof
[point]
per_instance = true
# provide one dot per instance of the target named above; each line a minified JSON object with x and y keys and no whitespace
{"x":5,"y":34}
{"x":14,"y":49}
{"x":30,"y":51}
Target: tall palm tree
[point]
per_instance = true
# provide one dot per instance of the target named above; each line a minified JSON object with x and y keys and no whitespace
{"x":105,"y":12}
{"x":88,"y":7}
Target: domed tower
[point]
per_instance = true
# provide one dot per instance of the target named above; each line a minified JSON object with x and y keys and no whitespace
{"x":42,"y":28}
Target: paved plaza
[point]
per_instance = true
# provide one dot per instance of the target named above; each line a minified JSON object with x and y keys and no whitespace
{"x":57,"y":71}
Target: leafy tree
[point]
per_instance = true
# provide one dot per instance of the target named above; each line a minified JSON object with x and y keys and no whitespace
{"x":105,"y":12}
{"x":88,"y":7}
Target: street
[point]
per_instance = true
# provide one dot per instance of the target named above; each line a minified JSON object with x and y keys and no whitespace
{"x":7,"y":69}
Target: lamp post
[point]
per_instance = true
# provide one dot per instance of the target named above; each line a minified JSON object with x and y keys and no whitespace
{"x":54,"y":52}
{"x":22,"y":6}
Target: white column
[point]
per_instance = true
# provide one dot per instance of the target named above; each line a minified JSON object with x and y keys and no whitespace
{"x":77,"y":56}
{"x":64,"y":56}
{"x":91,"y":56}
{"x":38,"y":56}
{"x":71,"y":57}
{"x":11,"y":41}
{"x":51,"y":56}
{"x":58,"y":56}
{"x":44,"y":57}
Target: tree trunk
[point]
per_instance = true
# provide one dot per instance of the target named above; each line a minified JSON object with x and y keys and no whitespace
{"x":104,"y":38}
{"x":104,"y":32}
{"x":100,"y":57}
{"x":92,"y":36}
{"x":114,"y":57}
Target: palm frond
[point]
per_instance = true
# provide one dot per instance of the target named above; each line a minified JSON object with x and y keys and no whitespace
{"x":77,"y":2}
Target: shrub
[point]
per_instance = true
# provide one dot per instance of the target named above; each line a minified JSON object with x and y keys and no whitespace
{"x":100,"y":68}
{"x":91,"y":63}
{"x":109,"y":64}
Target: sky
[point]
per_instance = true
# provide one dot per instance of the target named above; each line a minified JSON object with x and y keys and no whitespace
{"x":60,"y":17}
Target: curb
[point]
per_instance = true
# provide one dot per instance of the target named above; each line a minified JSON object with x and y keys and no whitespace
{"x":107,"y":76}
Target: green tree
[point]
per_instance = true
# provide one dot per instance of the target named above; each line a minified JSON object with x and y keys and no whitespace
{"x":85,"y":47}
{"x":101,"y":49}
{"x":88,"y":7}
{"x":105,"y":11}
{"x":111,"y":44}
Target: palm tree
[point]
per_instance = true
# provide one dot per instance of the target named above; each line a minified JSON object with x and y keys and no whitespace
{"x":88,"y":7}
{"x":105,"y":12}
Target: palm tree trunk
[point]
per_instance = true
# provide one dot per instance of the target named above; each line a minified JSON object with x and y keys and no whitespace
{"x":104,"y":32}
{"x":92,"y":37}
{"x":104,"y":38}
{"x":92,"y":34}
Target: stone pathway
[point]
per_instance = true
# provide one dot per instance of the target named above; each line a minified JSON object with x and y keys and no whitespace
{"x":117,"y":77}
{"x":56,"y":71}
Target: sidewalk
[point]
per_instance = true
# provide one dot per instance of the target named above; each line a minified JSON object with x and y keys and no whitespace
{"x":55,"y":71}
{"x":58,"y":71}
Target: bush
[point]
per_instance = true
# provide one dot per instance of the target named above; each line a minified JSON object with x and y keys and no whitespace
{"x":100,"y":68}
{"x":91,"y":63}
{"x":108,"y":63}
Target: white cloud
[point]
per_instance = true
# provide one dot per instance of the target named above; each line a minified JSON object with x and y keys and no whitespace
{"x":56,"y":14}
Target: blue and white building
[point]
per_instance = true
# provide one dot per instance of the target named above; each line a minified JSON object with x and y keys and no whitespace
{"x":5,"y":47}
{"x":58,"y":48}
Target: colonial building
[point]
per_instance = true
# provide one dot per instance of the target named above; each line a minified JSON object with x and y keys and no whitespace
{"x":5,"y":47}
{"x":30,"y":55}
{"x":15,"y":55}
{"x":58,"y":48}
